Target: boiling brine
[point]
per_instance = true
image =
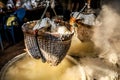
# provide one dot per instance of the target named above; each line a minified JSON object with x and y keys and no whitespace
{"x":28,"y":68}
{"x":81,"y":49}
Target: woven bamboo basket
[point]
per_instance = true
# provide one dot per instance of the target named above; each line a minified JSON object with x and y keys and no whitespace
{"x":84,"y":32}
{"x":50,"y":47}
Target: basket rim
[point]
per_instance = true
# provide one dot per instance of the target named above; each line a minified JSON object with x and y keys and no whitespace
{"x":31,"y":32}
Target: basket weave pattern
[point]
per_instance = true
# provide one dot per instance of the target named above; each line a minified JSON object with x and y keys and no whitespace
{"x":53,"y":46}
{"x":84,"y":33}
{"x":53,"y":51}
{"x":31,"y":45}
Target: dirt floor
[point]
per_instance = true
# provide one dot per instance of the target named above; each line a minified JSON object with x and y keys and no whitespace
{"x":11,"y":51}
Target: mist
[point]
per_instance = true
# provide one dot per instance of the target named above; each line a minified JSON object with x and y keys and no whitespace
{"x":107,"y":31}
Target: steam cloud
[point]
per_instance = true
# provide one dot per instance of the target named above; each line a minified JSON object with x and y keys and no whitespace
{"x":107,"y":33}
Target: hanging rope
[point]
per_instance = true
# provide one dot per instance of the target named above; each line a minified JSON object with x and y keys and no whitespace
{"x":39,"y":21}
{"x":81,"y":10}
{"x":53,"y":6}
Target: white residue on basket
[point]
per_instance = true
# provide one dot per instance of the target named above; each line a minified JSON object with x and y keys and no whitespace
{"x":54,"y":27}
{"x":63,"y":30}
{"x":45,"y":22}
{"x":88,"y":18}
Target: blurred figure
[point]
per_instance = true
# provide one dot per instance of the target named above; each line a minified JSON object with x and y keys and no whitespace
{"x":2,"y":6}
{"x":18,"y":4}
{"x":10,"y":5}
{"x":27,"y":5}
{"x":34,"y":3}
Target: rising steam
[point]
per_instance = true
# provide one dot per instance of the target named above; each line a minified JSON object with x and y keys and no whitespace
{"x":108,"y":27}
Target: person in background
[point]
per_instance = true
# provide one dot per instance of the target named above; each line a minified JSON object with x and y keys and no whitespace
{"x":27,"y":5}
{"x":2,"y":6}
{"x":10,"y":5}
{"x":34,"y":3}
{"x":18,"y":4}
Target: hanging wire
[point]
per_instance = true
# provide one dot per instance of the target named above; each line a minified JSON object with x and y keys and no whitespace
{"x":53,"y":6}
{"x":38,"y":22}
{"x":81,"y":10}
